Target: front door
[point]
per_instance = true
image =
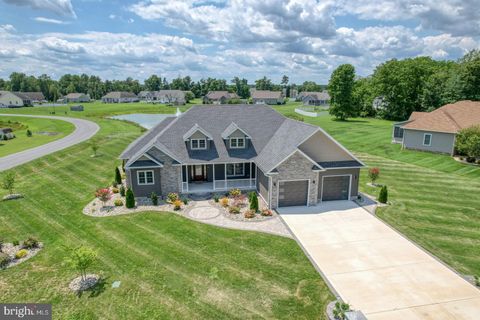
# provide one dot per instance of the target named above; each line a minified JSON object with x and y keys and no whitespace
{"x":199,"y":172}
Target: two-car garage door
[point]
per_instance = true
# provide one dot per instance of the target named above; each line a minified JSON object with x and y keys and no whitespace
{"x":295,"y":193}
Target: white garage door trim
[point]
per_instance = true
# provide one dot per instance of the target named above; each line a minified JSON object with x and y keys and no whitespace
{"x":278,"y":190}
{"x":339,"y":175}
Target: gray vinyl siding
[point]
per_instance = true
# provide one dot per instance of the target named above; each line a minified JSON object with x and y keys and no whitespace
{"x":355,"y":175}
{"x":144,"y":190}
{"x":219,"y":172}
{"x":262,"y":184}
{"x":440,"y":142}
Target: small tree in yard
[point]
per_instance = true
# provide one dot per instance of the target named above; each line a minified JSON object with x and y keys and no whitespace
{"x":129,"y":199}
{"x":81,"y":259}
{"x":383,"y":196}
{"x":103,"y":195}
{"x":122,"y":190}
{"x":467,"y":142}
{"x":373,"y":174}
{"x":95,"y":146}
{"x":118,"y":176}
{"x":8,"y":182}
{"x":154,"y":198}
{"x":254,"y":202}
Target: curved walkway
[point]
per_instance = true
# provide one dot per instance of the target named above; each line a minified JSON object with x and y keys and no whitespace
{"x":84,"y":130}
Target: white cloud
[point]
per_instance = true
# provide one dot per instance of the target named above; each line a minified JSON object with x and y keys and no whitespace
{"x":7,"y":28}
{"x":59,"y":7}
{"x":48,"y":20}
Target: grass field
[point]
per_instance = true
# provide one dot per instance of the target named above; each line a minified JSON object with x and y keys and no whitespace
{"x":169,"y":267}
{"x":20,"y":126}
{"x":167,"y":264}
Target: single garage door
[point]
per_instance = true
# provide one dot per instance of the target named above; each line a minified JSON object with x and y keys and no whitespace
{"x":292,"y":193}
{"x":335,"y":188}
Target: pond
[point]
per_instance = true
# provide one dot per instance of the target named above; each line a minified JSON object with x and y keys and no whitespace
{"x":145,"y":120}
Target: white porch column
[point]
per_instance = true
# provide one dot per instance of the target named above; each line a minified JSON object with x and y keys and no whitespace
{"x":250,"y":182}
{"x":225,"y":177}
{"x":188,"y":174}
{"x":213,"y":176}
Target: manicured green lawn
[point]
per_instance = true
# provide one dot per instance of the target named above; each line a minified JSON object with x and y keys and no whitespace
{"x":169,"y":267}
{"x":44,"y":131}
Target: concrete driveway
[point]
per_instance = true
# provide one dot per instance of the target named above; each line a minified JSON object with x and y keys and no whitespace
{"x":84,"y":130}
{"x":377,"y":270}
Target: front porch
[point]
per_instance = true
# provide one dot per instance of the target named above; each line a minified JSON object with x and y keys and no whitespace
{"x":218,"y":177}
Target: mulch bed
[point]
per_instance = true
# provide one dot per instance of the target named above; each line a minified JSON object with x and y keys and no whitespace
{"x":10,"y":250}
{"x":243,"y":208}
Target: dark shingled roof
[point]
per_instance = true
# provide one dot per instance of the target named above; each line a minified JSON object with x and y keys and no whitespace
{"x":340,"y":164}
{"x":273,"y":136}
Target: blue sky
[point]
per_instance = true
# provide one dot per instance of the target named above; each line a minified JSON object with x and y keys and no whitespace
{"x":304,"y":39}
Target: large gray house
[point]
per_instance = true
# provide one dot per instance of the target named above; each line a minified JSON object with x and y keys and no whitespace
{"x":250,"y":147}
{"x":435,"y":131}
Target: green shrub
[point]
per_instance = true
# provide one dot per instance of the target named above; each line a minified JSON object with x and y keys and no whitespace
{"x":477,"y":281}
{"x":129,"y":199}
{"x":122,"y":191}
{"x":118,"y":202}
{"x":383,"y":196}
{"x":154,"y":199}
{"x":172,"y":197}
{"x":16,"y":242}
{"x":30,"y":242}
{"x":234,"y":210}
{"x":254,"y":202}
{"x":21,"y":253}
{"x":467,"y":142}
{"x":185,"y":201}
{"x":216,"y":198}
{"x":29,"y":133}
{"x":235,"y":193}
{"x":4,"y":259}
{"x":340,"y":309}
{"x":118,"y":176}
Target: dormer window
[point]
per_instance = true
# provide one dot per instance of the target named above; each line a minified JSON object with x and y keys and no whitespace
{"x":237,"y":143}
{"x":198,"y":144}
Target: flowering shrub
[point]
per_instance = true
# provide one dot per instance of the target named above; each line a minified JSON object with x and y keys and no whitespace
{"x":172,"y":197}
{"x":177,"y":205}
{"x":115,"y":190}
{"x":235,"y":193}
{"x":373,"y":174}
{"x":249,"y":214}
{"x":118,"y":203}
{"x":234,"y":210}
{"x":103,"y":195}
{"x":267,"y":212}
{"x":224,"y":202}
{"x":240,"y":201}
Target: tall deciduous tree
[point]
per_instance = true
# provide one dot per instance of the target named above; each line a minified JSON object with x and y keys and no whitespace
{"x":340,"y":89}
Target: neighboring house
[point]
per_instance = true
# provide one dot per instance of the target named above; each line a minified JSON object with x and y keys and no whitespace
{"x":76,"y":97}
{"x":31,"y":98}
{"x":10,"y":100}
{"x":267,"y":97}
{"x":219,"y":97}
{"x":435,"y":131}
{"x":6,"y":132}
{"x":176,"y":97}
{"x":120,"y":97}
{"x":76,"y":108}
{"x":250,"y":147}
{"x":315,"y":98}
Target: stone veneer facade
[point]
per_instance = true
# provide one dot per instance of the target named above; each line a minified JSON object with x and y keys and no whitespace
{"x":297,"y":167}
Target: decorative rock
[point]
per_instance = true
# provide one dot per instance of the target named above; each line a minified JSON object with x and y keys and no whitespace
{"x":202,"y":213}
{"x":12,"y":196}
{"x":10,"y":250}
{"x":80,"y":284}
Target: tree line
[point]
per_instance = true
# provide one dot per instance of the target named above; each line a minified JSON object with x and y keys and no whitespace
{"x":96,"y":87}
{"x":398,"y":87}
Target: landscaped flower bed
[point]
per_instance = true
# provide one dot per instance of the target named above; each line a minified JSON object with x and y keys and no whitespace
{"x":109,"y":202}
{"x":17,"y":252}
{"x":238,"y":206}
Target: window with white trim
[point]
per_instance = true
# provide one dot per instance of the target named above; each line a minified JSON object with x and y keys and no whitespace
{"x":235,"y":169}
{"x":145,"y":177}
{"x":427,"y":139}
{"x":237,"y":143}
{"x":198,"y":144}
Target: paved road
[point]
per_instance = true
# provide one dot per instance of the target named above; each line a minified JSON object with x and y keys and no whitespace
{"x":377,"y":270}
{"x":84,"y":130}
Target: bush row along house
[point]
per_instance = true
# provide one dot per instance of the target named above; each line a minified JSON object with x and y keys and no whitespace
{"x":175,"y":97}
{"x":250,"y":147}
{"x":436,"y":131}
{"x":9,"y":99}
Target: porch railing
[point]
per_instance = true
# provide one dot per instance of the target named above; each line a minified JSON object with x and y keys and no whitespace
{"x":236,"y":183}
